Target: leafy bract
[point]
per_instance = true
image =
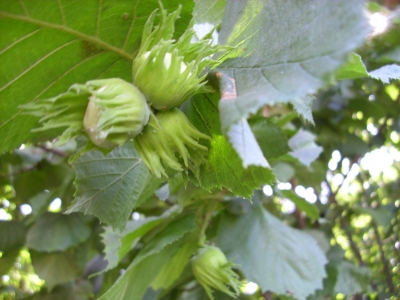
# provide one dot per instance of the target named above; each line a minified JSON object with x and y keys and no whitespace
{"x":150,"y":260}
{"x":57,"y":232}
{"x":47,"y":46}
{"x":277,"y":257}
{"x":284,"y":51}
{"x":110,"y":186}
{"x":118,"y":244}
{"x":223,"y":167}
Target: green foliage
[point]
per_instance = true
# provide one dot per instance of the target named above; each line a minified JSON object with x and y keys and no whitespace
{"x":298,"y":123}
{"x":288,"y":260}
{"x":111,"y":193}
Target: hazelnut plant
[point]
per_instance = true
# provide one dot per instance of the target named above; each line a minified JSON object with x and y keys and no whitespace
{"x":147,"y":148}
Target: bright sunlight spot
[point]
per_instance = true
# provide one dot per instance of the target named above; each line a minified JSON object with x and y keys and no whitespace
{"x":4,"y":215}
{"x":25,"y":209}
{"x":267,"y":189}
{"x":201,"y":30}
{"x":284,"y":186}
{"x":379,"y":22}
{"x":361,"y":221}
{"x":135,"y":216}
{"x":250,"y":288}
{"x":380,"y":161}
{"x":55,"y":205}
{"x":336,"y":156}
{"x":288,"y":206}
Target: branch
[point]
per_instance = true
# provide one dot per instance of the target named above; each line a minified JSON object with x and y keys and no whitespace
{"x":353,"y":245}
{"x":388,"y":274}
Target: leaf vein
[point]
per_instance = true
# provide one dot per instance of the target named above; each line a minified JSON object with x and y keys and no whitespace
{"x":37,"y":62}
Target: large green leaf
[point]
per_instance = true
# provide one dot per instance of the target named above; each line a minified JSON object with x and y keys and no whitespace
{"x":175,"y":266}
{"x":209,"y":11}
{"x":110,"y":186}
{"x":224,"y":168}
{"x":277,"y":257}
{"x":284,"y":51}
{"x":118,"y":244}
{"x":7,"y":261}
{"x":150,"y":260}
{"x":12,"y":235}
{"x":46,"y":46}
{"x":55,"y":268}
{"x":56,"y":232}
{"x":351,"y":279}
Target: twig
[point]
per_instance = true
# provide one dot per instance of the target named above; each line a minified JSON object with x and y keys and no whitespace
{"x":54,"y":151}
{"x":267,"y":295}
{"x":353,"y":245}
{"x":299,"y":219}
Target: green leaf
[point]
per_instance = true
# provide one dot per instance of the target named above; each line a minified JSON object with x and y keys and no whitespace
{"x":209,"y":11}
{"x":386,"y":73}
{"x":223,"y":168}
{"x":80,"y":290}
{"x":110,"y":186}
{"x":7,"y":261}
{"x":288,"y":50}
{"x":175,"y":266}
{"x":312,"y":175}
{"x":133,"y":284}
{"x":12,"y":235}
{"x":55,"y":268}
{"x":245,"y":144}
{"x":381,"y":215}
{"x":354,"y":68}
{"x":277,"y":257}
{"x":68,"y":42}
{"x":351,"y":279}
{"x":118,"y":244}
{"x":271,"y":138}
{"x":150,"y":260}
{"x":56,"y":232}
{"x":304,"y":147}
{"x":302,"y":204}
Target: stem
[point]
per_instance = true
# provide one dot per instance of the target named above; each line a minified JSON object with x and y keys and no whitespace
{"x":206,"y":222}
{"x":301,"y":223}
{"x":388,"y":274}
